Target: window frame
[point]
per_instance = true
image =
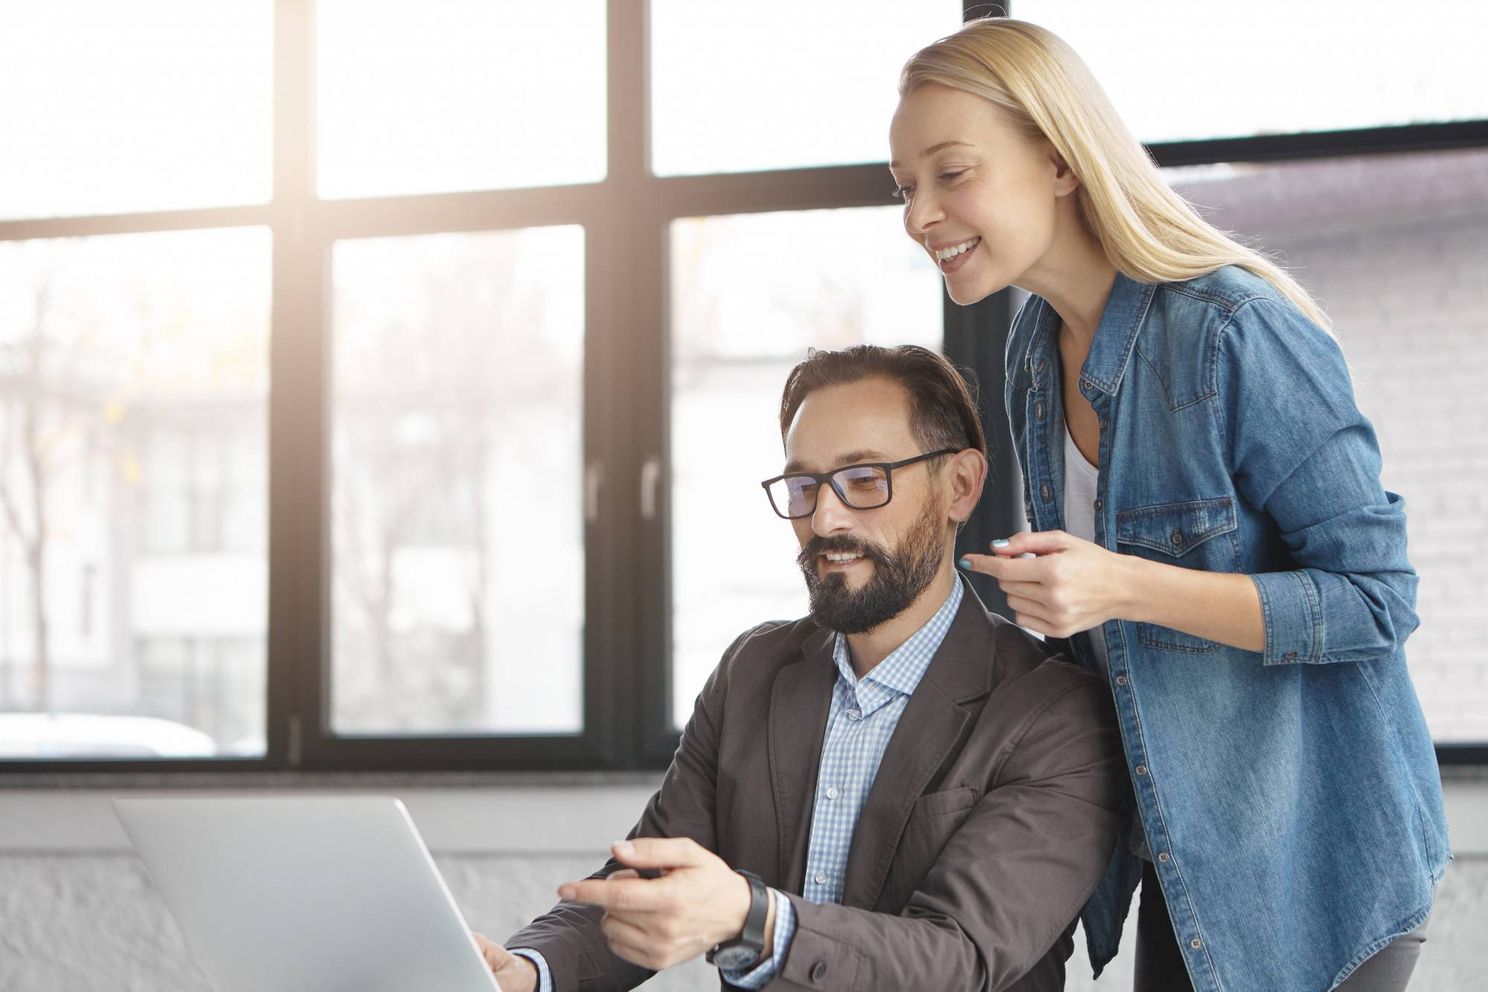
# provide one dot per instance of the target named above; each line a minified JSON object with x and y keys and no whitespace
{"x":626,"y":219}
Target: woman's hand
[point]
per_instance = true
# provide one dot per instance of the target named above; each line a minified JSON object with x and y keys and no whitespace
{"x":1071,"y":585}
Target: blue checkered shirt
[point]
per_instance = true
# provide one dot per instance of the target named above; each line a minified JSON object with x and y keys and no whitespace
{"x":861,"y":720}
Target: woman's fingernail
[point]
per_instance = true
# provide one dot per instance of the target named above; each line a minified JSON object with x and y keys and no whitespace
{"x":1001,"y":542}
{"x":964,"y":562}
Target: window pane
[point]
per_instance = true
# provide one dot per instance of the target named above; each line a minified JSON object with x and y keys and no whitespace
{"x":744,"y":312}
{"x":1276,"y":67}
{"x":459,"y":95}
{"x":133,"y":480}
{"x":459,"y":564}
{"x":776,"y":84}
{"x":112,"y":108}
{"x":1395,"y":247}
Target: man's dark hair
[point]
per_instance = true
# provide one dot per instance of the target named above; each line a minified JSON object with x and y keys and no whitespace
{"x":943,"y":412}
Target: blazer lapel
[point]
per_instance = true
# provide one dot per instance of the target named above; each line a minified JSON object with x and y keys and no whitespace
{"x":932,"y":724}
{"x":799,"y":702}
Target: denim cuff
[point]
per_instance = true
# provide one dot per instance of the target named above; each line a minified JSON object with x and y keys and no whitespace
{"x":544,"y":976}
{"x":1291,"y":608}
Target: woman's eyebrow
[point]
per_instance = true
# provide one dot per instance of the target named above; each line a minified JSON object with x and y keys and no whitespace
{"x":935,"y":148}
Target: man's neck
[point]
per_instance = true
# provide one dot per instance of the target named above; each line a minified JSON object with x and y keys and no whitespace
{"x":873,"y":646}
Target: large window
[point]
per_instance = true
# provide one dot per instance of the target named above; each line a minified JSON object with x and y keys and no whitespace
{"x":387,"y":385}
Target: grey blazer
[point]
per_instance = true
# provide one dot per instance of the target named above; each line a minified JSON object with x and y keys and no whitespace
{"x":991,"y":819}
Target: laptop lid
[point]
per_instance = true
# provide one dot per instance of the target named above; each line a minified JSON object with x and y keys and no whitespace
{"x":305,"y":893}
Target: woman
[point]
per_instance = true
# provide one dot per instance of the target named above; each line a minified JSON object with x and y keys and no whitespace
{"x":1209,"y":529}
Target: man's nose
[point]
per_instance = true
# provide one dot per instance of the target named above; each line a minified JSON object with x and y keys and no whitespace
{"x":831,"y":515}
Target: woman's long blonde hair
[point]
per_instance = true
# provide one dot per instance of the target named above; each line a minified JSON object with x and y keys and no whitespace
{"x":1150,"y":233}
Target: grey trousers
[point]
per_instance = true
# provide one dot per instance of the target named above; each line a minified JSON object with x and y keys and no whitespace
{"x":1160,"y":966}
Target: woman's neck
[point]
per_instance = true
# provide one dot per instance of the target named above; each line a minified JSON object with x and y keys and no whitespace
{"x":1075,"y":276}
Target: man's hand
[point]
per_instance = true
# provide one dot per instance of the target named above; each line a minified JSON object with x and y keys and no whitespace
{"x":513,"y":972}
{"x":697,"y":902}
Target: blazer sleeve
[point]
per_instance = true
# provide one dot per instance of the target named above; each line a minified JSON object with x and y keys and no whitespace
{"x":568,"y":935}
{"x":1009,"y":882}
{"x":1300,"y":449}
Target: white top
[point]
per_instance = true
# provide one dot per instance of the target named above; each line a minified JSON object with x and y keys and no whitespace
{"x":1081,"y":481}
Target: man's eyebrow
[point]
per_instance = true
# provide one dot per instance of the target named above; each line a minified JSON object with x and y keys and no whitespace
{"x":849,"y":458}
{"x":935,"y":148}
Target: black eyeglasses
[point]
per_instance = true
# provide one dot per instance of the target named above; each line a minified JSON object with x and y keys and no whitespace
{"x":860,"y":487}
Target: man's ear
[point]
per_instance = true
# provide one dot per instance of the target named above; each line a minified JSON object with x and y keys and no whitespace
{"x":967,"y":473}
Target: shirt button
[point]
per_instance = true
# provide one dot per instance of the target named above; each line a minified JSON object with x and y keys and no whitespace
{"x":1141,"y":769}
{"x":1196,"y":943}
{"x":854,"y":715}
{"x":818,"y":971}
{"x":1163,"y":857}
{"x":831,"y":792}
{"x":820,"y":879}
{"x":1121,"y":680}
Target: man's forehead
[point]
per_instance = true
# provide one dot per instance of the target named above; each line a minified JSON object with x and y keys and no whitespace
{"x":839,"y":424}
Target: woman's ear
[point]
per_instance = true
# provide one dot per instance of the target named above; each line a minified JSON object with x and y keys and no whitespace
{"x":1065,"y":181}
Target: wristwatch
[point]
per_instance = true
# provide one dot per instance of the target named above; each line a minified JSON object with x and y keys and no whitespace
{"x":745,"y":950}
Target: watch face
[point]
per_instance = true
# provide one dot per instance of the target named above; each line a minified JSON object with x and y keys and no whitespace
{"x":734,"y":957}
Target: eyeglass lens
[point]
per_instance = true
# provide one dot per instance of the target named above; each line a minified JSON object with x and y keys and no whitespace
{"x":861,"y":487}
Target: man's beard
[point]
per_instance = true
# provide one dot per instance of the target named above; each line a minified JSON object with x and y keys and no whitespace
{"x":897,"y":578}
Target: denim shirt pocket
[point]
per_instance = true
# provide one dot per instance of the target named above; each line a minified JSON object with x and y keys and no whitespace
{"x":1189,"y":534}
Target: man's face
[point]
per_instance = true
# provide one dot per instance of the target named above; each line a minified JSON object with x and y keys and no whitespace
{"x":864,"y":567}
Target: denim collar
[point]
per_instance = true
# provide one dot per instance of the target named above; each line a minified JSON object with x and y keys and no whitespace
{"x":1115,"y":336}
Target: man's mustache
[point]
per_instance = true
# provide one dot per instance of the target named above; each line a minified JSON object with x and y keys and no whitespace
{"x":818,"y":546}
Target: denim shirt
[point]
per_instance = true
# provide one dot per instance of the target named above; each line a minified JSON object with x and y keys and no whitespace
{"x":1291,"y":798}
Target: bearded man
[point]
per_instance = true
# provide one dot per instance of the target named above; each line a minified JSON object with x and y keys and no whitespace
{"x":900,"y":790}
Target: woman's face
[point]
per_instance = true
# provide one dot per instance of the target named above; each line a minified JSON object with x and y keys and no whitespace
{"x":979,"y":196}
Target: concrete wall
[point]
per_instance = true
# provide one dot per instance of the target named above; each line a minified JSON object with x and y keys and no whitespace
{"x":78,"y":912}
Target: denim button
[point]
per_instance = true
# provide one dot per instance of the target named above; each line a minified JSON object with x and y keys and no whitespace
{"x":1177,"y":538}
{"x":1196,"y":943}
{"x":1046,"y":492}
{"x":1163,"y":858}
{"x":1121,"y":680}
{"x":1099,"y":505}
{"x":1141,"y":769}
{"x":1289,"y":656}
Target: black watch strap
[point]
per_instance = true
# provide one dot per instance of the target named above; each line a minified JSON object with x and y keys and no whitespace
{"x":746,"y":949}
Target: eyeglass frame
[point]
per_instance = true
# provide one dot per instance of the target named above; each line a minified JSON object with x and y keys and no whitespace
{"x":830,"y":479}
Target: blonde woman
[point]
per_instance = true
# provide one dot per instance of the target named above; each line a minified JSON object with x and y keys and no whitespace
{"x":1208,"y":529}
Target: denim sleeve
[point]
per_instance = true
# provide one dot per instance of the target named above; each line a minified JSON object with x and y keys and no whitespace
{"x":765,"y":972}
{"x":544,"y":976}
{"x":1301,"y":451}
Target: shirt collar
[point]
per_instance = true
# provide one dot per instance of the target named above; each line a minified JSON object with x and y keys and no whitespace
{"x":902,"y":670}
{"x":1115,"y":335}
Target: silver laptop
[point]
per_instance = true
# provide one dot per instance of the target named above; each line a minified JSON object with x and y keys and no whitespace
{"x":305,"y":894}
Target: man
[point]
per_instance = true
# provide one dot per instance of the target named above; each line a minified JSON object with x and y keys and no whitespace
{"x":923,"y":800}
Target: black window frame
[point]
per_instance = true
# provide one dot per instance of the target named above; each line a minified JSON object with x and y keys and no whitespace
{"x":626,"y":218}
